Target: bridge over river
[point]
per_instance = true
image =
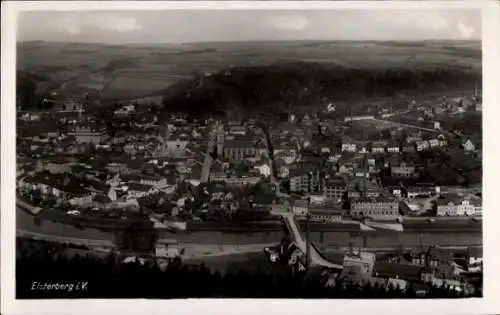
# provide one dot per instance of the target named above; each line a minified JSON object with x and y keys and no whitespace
{"x":316,"y":258}
{"x":325,"y":239}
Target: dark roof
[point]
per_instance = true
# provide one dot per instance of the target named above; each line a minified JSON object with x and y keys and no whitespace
{"x":263,"y":198}
{"x":101,"y":199}
{"x":447,"y":198}
{"x":178,"y":135}
{"x":475,"y":252}
{"x":98,"y":185}
{"x":379,"y":143}
{"x":376,"y":199}
{"x":420,"y":287}
{"x":403,"y":271}
{"x":199,"y":156}
{"x":283,"y":145}
{"x":353,"y":273}
{"x":325,"y":211}
{"x":300,"y":203}
{"x":239,"y":143}
{"x":216,"y":166}
{"x":172,"y":178}
{"x":418,"y":189}
{"x":435,"y":252}
{"x":75,"y":190}
{"x":476,"y":202}
{"x":139,"y":187}
{"x":195,"y":173}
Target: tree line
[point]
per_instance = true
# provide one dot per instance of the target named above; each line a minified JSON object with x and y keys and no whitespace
{"x":109,"y":277}
{"x":277,"y":87}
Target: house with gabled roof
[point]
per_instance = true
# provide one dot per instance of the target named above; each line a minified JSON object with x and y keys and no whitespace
{"x":264,"y":168}
{"x":135,"y":190}
{"x":378,"y":146}
{"x":282,"y":168}
{"x":348,"y":145}
{"x":194,"y":176}
{"x":335,"y":187}
{"x":393,"y":147}
{"x":422,"y":145}
{"x":468,"y":145}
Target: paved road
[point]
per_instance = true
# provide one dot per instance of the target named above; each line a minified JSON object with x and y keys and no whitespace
{"x":205,"y":172}
{"x":316,"y":258}
{"x":63,"y":239}
{"x":406,"y":125}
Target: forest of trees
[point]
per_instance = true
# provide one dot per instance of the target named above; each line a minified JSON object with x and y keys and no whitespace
{"x":273,"y":88}
{"x":110,"y":278}
{"x":26,"y":91}
{"x":28,"y":94}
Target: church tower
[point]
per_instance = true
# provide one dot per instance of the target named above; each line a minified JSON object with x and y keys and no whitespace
{"x":220,"y":139}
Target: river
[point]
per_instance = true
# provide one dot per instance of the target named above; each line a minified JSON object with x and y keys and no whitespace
{"x":378,"y":239}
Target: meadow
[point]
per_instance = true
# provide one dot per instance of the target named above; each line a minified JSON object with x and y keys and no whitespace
{"x":138,"y":71}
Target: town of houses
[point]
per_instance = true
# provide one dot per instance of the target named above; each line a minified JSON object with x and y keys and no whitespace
{"x":71,"y":157}
{"x":79,"y":164}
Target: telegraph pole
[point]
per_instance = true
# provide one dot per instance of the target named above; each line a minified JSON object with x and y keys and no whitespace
{"x":308,"y":242}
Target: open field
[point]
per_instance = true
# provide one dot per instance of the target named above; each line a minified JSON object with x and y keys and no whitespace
{"x":124,"y":72}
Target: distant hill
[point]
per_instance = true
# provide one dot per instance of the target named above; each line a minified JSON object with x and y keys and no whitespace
{"x":272,"y":89}
{"x":131,"y":71}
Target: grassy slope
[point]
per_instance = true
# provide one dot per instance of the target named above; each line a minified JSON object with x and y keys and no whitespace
{"x":140,"y":70}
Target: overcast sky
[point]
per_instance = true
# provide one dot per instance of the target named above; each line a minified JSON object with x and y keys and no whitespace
{"x":116,"y":27}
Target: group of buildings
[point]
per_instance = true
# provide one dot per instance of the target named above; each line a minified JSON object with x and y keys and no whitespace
{"x":134,"y":154}
{"x":414,"y":270}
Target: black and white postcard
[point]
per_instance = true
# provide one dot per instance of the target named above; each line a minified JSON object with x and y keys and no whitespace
{"x":195,"y":153}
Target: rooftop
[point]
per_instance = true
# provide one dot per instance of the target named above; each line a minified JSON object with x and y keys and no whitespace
{"x":239,"y":143}
{"x":335,"y":181}
{"x":374,"y":200}
{"x":403,"y":271}
{"x":101,"y":198}
{"x":326,"y":210}
{"x":138,"y":187}
{"x":301,"y":203}
{"x":449,"y":198}
{"x":379,"y":143}
{"x":418,"y":189}
{"x":475,"y":252}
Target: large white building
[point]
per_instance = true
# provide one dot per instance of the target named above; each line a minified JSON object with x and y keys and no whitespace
{"x":364,"y":260}
{"x":349,"y":147}
{"x":89,"y":133}
{"x":167,"y":249}
{"x":361,"y":117}
{"x":454,"y":205}
{"x":403,"y":170}
{"x":378,"y":208}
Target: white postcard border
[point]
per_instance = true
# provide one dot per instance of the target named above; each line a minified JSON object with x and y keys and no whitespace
{"x":491,"y":178}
